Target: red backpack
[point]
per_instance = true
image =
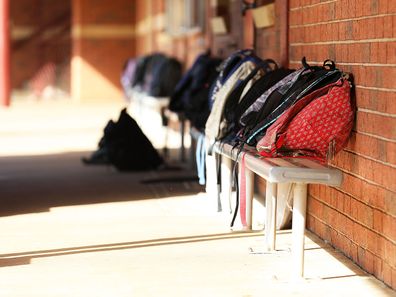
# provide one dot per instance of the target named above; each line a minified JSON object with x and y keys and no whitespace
{"x":317,"y":126}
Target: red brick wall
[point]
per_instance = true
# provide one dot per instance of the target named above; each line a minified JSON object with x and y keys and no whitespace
{"x":142,"y":29}
{"x":268,"y":39}
{"x":359,"y":218}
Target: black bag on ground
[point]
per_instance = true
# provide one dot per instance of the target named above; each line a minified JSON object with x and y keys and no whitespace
{"x":125,"y":146}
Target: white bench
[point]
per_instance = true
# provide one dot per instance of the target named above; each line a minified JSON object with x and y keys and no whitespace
{"x":299,"y":172}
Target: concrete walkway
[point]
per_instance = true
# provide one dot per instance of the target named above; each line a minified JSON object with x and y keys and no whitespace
{"x":74,"y":230}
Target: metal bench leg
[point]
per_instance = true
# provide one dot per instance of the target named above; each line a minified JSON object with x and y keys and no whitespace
{"x":249,"y":197}
{"x":182,"y":145}
{"x":270,"y":206}
{"x":226,"y":183}
{"x":193,"y":149}
{"x":211,"y":178}
{"x":298,"y":228}
{"x":165,"y":125}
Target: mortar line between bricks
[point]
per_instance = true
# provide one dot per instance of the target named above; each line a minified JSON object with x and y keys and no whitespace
{"x":376,"y":136}
{"x":390,"y":115}
{"x":361,"y":177}
{"x":351,"y":218}
{"x":371,"y":158}
{"x":342,"y":20}
{"x":355,"y":221}
{"x":368,"y":65}
{"x":349,"y":41}
{"x":313,"y":5}
{"x":357,"y":199}
{"x":354,"y":64}
{"x":376,"y":89}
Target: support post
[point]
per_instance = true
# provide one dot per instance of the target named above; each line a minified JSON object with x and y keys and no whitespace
{"x":270,"y":206}
{"x":226,"y":184}
{"x":249,"y":197}
{"x":5,"y":56}
{"x":182,"y":121}
{"x":298,"y":229}
{"x":212,"y":188}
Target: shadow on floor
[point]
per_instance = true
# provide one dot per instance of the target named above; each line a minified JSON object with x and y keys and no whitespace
{"x":36,"y":183}
{"x":25,"y":258}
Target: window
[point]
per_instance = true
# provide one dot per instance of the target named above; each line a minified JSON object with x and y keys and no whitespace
{"x":183,"y":16}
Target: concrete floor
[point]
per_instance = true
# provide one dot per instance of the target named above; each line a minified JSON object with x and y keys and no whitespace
{"x":74,"y":230}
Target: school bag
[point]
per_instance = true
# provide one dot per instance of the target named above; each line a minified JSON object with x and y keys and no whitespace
{"x":140,"y":72}
{"x":308,"y":79}
{"x":236,"y":105}
{"x":191,"y":92}
{"x":197,"y":107}
{"x":127,"y":76}
{"x":249,"y":116}
{"x":246,"y":69}
{"x":317,"y":126}
{"x":154,"y":62}
{"x":180,"y":93}
{"x":125,"y":146}
{"x":226,"y":68}
{"x":165,"y":73}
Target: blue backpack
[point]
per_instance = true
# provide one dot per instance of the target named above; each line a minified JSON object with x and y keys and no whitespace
{"x":227,"y":68}
{"x":237,"y":74}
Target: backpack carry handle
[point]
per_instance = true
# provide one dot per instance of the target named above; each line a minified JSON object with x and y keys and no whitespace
{"x":262,"y":65}
{"x":329,"y":64}
{"x":233,"y":60}
{"x":305,"y":64}
{"x":236,"y":93}
{"x":308,"y":68}
{"x":266,"y":64}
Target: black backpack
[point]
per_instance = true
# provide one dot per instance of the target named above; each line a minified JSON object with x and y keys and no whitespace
{"x":237,"y":105}
{"x":197,"y":107}
{"x":228,"y":67}
{"x":140,"y":71}
{"x":192,"y":91}
{"x":165,"y":74}
{"x":125,"y":146}
{"x":154,"y":62}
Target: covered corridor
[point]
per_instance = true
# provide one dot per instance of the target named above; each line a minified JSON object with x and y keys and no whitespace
{"x":72,"y":230}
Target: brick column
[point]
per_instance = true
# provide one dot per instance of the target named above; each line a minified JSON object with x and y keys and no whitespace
{"x":102,"y":40}
{"x":5,"y":73}
{"x":248,"y":28}
{"x":76,"y":83}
